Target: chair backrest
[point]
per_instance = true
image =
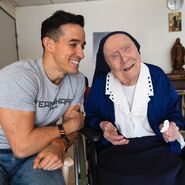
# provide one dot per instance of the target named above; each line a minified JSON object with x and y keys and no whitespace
{"x":87,"y":88}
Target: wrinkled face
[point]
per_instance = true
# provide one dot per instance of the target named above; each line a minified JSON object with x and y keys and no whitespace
{"x":123,"y":58}
{"x":68,"y":50}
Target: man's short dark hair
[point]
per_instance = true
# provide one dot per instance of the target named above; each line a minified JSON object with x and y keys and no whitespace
{"x":50,"y":27}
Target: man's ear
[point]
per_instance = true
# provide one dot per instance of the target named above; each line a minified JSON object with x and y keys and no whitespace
{"x":48,"y":44}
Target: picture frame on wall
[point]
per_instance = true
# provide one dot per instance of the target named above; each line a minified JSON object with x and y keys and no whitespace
{"x":175,"y":21}
{"x":96,"y":39}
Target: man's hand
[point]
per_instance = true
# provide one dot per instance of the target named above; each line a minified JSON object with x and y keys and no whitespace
{"x":68,"y":114}
{"x":111,"y":134}
{"x":172,"y":133}
{"x":50,"y":158}
{"x":74,"y":120}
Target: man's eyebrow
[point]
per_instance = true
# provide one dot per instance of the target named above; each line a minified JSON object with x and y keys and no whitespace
{"x":76,"y":40}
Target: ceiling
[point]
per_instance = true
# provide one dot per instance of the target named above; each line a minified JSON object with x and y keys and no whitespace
{"x":21,"y":3}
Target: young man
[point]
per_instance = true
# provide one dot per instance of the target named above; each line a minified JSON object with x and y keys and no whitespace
{"x":34,"y":96}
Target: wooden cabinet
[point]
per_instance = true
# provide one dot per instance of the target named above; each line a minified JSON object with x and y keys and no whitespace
{"x":178,"y":80}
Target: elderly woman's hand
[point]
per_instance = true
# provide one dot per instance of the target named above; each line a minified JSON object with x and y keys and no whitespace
{"x":111,"y":134}
{"x":172,"y":133}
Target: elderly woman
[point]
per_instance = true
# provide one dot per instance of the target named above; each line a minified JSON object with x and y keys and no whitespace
{"x":128,"y":102}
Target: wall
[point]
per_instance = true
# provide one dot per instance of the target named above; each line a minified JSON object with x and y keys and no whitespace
{"x":147,"y":20}
{"x":8,"y":7}
{"x":8,"y":46}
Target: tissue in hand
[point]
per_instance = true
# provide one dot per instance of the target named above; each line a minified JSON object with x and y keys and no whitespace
{"x":165,"y":126}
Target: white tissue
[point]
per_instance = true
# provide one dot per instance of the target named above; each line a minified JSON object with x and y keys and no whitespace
{"x":165,"y":126}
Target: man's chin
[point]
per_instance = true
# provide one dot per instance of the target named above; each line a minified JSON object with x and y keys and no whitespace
{"x":74,"y":71}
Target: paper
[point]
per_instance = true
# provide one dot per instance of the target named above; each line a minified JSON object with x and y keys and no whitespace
{"x":165,"y":126}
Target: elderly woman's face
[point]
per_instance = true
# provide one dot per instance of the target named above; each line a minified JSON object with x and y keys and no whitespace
{"x":123,"y":58}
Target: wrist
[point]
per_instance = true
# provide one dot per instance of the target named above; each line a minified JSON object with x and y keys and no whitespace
{"x":69,"y":126}
{"x":67,"y":142}
{"x":60,"y":144}
{"x":61,"y":130}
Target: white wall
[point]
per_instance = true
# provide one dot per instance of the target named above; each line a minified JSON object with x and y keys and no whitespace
{"x":8,"y":46}
{"x":147,"y":20}
{"x":8,"y":7}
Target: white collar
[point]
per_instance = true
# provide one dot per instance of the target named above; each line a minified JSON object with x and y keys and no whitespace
{"x":144,"y":89}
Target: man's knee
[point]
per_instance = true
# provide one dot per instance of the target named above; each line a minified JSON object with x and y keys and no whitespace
{"x":29,"y":176}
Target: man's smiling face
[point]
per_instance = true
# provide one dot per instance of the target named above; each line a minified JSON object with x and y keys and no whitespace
{"x":68,"y":50}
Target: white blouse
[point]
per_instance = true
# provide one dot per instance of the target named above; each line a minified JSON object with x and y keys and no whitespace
{"x":131,"y":104}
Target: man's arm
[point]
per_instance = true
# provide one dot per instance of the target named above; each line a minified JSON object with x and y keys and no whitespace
{"x":52,"y":157}
{"x":73,"y":113}
{"x":27,"y":140}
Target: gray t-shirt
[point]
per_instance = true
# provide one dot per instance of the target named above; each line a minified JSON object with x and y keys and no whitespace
{"x":25,"y":86}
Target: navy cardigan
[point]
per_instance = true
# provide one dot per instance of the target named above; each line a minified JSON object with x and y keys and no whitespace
{"x":163,"y":105}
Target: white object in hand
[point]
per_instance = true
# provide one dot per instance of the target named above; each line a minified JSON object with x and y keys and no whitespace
{"x":165,"y":126}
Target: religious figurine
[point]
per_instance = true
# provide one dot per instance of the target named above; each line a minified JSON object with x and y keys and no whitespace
{"x":178,"y":54}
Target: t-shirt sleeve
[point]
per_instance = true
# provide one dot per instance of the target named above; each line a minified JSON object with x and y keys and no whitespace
{"x":17,"y":92}
{"x":79,"y":93}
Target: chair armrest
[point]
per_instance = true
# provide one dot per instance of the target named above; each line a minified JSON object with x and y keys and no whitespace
{"x":91,"y":137}
{"x":68,"y":162}
{"x":91,"y":134}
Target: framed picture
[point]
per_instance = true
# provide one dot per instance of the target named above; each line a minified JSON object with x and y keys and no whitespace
{"x":175,"y":21}
{"x":96,"y":39}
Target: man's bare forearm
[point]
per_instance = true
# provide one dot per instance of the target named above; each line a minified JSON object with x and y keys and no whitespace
{"x":34,"y":142}
{"x":40,"y":137}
